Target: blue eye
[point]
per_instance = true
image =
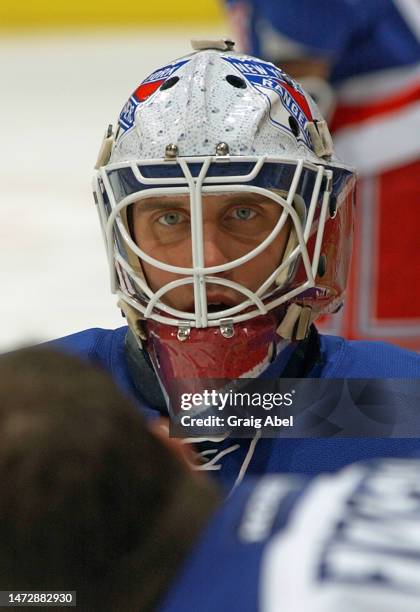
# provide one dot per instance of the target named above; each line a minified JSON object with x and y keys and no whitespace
{"x":244,"y":213}
{"x":171,"y":218}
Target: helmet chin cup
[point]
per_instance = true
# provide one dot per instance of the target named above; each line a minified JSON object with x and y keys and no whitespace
{"x":207,"y":358}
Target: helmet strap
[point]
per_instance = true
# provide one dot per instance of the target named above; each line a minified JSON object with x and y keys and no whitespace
{"x":296,"y":322}
{"x":134,"y":320}
{"x":292,"y":242}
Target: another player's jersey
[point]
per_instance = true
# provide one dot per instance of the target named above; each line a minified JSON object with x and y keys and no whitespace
{"x":373,"y":50}
{"x":348,"y":542}
{"x":355,"y":36}
{"x":338,"y":359}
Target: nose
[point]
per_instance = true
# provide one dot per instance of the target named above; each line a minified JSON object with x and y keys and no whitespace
{"x":215,"y":246}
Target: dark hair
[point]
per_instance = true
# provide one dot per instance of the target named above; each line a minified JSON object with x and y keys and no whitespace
{"x":90,"y":500}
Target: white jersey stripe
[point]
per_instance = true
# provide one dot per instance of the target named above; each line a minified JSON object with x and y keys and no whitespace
{"x":410,"y":10}
{"x":381,"y":143}
{"x":373,"y":86}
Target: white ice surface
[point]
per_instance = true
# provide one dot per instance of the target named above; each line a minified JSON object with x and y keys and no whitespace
{"x":58,"y":94}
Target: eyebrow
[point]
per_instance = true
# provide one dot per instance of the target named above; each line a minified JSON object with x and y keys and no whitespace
{"x":237,"y":198}
{"x":247,"y":198}
{"x":147,"y":205}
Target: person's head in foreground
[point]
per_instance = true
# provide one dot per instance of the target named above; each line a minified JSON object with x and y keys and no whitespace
{"x":226,"y":215}
{"x":90,"y":500}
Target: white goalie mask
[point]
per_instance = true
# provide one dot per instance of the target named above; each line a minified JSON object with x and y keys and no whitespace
{"x":215,"y":125}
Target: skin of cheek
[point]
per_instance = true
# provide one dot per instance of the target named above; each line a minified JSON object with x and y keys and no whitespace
{"x":251,"y":274}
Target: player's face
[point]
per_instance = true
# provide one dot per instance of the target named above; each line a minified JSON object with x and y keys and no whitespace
{"x":233,"y":225}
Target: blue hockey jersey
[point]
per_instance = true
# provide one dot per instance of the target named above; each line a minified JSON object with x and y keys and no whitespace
{"x":339,"y":359}
{"x":355,"y":36}
{"x":346,"y":542}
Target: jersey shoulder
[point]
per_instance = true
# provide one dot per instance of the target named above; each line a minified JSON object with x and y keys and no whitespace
{"x":105,"y":347}
{"x":366,"y":359}
{"x":95,"y":343}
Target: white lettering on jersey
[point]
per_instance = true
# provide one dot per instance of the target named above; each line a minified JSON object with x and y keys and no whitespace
{"x":262,"y":508}
{"x":351,"y":543}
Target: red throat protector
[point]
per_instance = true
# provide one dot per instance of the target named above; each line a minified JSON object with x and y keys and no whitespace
{"x":206,"y":358}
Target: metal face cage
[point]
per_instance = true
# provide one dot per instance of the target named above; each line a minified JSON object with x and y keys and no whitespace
{"x":302,"y":190}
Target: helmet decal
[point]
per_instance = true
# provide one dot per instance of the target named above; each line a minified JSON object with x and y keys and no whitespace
{"x":273,"y":83}
{"x":144,"y":91}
